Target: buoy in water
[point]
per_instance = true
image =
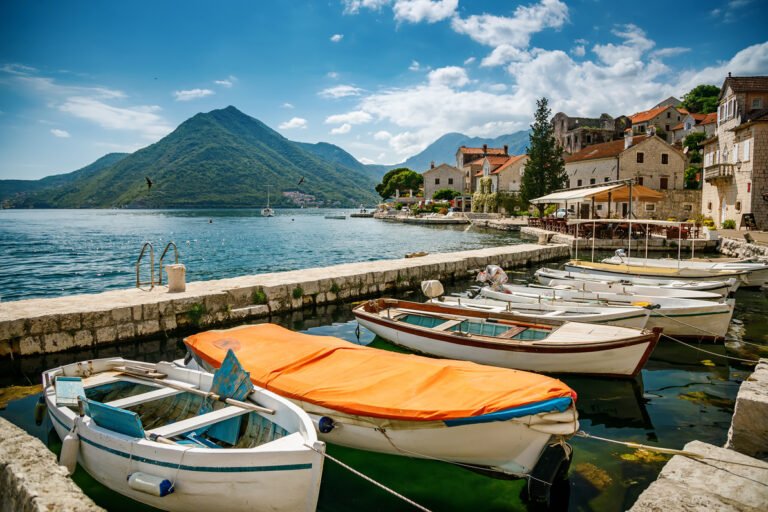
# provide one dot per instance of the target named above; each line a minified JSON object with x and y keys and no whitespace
{"x":70,"y":446}
{"x":39,"y":411}
{"x":150,"y":484}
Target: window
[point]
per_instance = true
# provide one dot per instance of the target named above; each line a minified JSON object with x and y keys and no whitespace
{"x":738,"y":206}
{"x":709,"y":206}
{"x":578,"y":183}
{"x":606,"y":179}
{"x":669,"y":114}
{"x":437,"y":181}
{"x":664,"y":158}
{"x":663,"y":183}
{"x":650,"y":207}
{"x":639,"y":180}
{"x":746,"y":150}
{"x":589,"y":139}
{"x":640,"y":157}
{"x":688,"y":207}
{"x":592,"y":181}
{"x":599,"y":207}
{"x":666,"y":127}
{"x":450,"y":181}
{"x":757,"y":103}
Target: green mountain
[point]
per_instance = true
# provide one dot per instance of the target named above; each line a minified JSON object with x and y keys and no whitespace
{"x":17,"y":190}
{"x":223,"y":158}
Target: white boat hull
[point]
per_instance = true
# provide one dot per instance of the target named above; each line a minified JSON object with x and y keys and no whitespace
{"x":617,"y":361}
{"x":757,"y":273}
{"x":654,"y":273}
{"x":615,"y":287}
{"x":722,"y":288}
{"x":677,"y":317}
{"x":281,"y":475}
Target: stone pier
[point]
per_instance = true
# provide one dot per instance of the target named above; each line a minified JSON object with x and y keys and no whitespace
{"x":41,"y":326}
{"x":31,"y":479}
{"x":655,"y":244}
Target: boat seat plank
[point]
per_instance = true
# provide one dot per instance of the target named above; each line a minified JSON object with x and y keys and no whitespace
{"x":149,"y":396}
{"x":514,"y":331}
{"x":446,"y":325}
{"x":179,"y":427}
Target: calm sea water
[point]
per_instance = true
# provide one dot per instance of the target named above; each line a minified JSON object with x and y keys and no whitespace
{"x":681,"y":394}
{"x":47,"y":253}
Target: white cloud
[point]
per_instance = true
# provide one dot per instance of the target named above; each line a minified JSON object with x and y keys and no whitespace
{"x":60,"y":133}
{"x":335,"y":38}
{"x":332,"y":74}
{"x":366,"y":161}
{"x":192,"y":94}
{"x":341,"y":130}
{"x":578,"y":51}
{"x":355,"y":117}
{"x":497,"y":87}
{"x":670,"y":52}
{"x":504,"y":54}
{"x":288,"y":105}
{"x":18,"y":69}
{"x":382,"y":135}
{"x":431,"y":11}
{"x":450,"y":76}
{"x":354,"y":6}
{"x":751,"y":61}
{"x":142,"y":119}
{"x":415,"y":66}
{"x":514,"y":31}
{"x":581,"y":41}
{"x":295,"y":122}
{"x":729,"y":13}
{"x":469,"y":61}
{"x":340,"y":91}
{"x":227,"y":82}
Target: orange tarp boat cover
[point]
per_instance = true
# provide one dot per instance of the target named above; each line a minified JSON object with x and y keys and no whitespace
{"x":364,"y":381}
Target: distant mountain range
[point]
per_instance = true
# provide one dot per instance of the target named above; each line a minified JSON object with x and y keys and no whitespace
{"x":225,"y":158}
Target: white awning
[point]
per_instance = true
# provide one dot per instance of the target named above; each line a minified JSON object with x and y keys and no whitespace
{"x":575,"y":195}
{"x":649,"y":222}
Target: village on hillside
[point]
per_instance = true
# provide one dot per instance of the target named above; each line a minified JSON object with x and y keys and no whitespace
{"x":709,"y":168}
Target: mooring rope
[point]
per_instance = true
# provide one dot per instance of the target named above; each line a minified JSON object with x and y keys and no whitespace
{"x":670,"y":451}
{"x":369,"y":479}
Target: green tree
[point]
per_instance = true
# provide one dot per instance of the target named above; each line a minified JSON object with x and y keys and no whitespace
{"x":702,"y":99}
{"x":690,"y":177}
{"x":445,"y":193}
{"x":401,"y":179}
{"x":545,"y":170}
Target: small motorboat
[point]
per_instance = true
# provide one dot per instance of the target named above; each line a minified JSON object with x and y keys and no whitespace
{"x":181,"y":439}
{"x":756,"y":272}
{"x":633,"y":318}
{"x":489,"y":418}
{"x":668,"y":273}
{"x":505,"y":340}
{"x":724,"y":288}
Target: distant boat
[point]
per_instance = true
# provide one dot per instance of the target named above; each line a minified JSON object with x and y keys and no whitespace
{"x":338,"y":217}
{"x":267,"y":211}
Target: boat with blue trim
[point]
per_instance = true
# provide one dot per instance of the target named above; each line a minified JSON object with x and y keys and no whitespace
{"x":181,"y":439}
{"x":486,"y":418}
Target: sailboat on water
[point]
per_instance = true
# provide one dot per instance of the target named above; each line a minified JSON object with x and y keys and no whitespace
{"x":267,"y":211}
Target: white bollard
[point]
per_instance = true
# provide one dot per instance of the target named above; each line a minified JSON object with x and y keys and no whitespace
{"x":176,"y":281}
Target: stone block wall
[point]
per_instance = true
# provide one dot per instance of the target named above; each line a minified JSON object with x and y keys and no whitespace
{"x":31,"y":479}
{"x":42,"y":326}
{"x":749,"y":427}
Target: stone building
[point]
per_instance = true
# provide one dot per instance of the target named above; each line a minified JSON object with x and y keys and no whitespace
{"x":440,"y":177}
{"x":575,"y":133}
{"x":647,"y":159}
{"x":663,"y":117}
{"x":505,"y":172}
{"x":736,"y":158}
{"x":470,"y":161}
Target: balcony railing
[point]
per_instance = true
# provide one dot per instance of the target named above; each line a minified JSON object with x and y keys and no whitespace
{"x":718,"y":172}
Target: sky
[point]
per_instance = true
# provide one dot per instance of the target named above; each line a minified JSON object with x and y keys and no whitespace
{"x":380,"y":78}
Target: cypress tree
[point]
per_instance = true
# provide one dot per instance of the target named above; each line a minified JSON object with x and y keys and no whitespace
{"x":545,"y":169}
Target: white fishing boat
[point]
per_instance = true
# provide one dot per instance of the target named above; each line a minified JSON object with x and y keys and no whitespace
{"x":502,"y":339}
{"x":700,"y":319}
{"x":267,"y":211}
{"x":633,"y":318}
{"x":756,"y":272}
{"x":156,"y":434}
{"x":632,"y":271}
{"x":584,"y":285}
{"x":724,"y":288}
{"x":456,"y":411}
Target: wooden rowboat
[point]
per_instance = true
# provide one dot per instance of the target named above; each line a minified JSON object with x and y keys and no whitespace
{"x":505,"y":340}
{"x":148,"y":431}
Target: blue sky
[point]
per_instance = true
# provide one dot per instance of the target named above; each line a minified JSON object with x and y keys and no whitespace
{"x":380,"y":78}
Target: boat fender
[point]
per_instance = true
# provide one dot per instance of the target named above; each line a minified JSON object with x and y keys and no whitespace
{"x":556,"y":429}
{"x":70,"y":446}
{"x":325,"y":424}
{"x":40,"y":411}
{"x":565,"y":416}
{"x":150,"y":484}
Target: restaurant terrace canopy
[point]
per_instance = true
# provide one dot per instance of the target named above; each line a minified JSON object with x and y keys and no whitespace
{"x":577,"y":195}
{"x":639,"y":193}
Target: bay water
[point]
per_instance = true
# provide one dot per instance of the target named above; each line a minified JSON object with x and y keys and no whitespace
{"x":682,"y":394}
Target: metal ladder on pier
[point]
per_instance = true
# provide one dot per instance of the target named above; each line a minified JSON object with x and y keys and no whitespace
{"x":142,"y":285}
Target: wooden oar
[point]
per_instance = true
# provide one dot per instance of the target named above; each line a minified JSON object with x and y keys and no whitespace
{"x":199,"y":392}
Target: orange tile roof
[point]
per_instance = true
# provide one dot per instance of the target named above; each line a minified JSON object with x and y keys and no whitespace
{"x":647,"y":115}
{"x":677,"y":127}
{"x":479,"y":151}
{"x":710,"y":118}
{"x":604,"y":150}
{"x":511,"y":160}
{"x":699,"y":117}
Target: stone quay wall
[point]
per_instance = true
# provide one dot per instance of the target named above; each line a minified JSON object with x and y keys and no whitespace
{"x":31,"y":479}
{"x":741,"y":249}
{"x":42,"y":326}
